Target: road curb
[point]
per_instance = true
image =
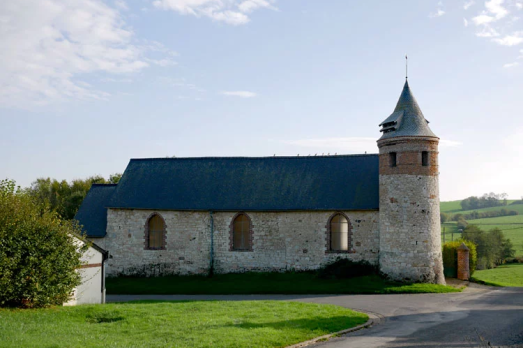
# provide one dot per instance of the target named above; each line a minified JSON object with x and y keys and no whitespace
{"x":373,"y":319}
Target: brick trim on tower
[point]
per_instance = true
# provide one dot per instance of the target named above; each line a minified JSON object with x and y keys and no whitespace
{"x":231,"y":234}
{"x":146,"y":232}
{"x":409,"y":156}
{"x":328,"y":236}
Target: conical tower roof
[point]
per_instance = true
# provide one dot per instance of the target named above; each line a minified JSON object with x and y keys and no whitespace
{"x":407,"y":120}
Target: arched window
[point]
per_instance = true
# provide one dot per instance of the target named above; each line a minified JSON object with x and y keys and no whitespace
{"x":241,"y":233}
{"x":155,"y":236}
{"x":339,"y":233}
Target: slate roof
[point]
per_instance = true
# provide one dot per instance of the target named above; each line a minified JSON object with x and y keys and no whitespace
{"x":407,"y":118}
{"x":345,"y":182}
{"x":93,"y":211}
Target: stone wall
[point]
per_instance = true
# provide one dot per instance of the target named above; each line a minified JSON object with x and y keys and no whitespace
{"x":281,"y":241}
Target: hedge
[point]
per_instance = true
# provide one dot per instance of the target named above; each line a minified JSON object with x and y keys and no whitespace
{"x":38,"y":255}
{"x":450,"y":257}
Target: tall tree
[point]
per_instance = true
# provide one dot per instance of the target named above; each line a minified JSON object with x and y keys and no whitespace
{"x":63,"y":197}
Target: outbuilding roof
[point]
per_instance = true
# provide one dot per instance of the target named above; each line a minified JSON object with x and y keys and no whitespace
{"x":407,"y":118}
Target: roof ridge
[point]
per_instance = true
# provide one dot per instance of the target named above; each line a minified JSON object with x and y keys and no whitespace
{"x":98,"y":184}
{"x":251,"y":158}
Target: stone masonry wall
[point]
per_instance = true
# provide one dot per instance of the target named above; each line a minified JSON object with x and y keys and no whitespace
{"x":281,"y":241}
{"x":410,"y":241}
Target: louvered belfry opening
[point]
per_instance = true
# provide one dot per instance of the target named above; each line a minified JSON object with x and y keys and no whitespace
{"x":339,"y":233}
{"x":242,"y":233}
{"x":156,"y":233}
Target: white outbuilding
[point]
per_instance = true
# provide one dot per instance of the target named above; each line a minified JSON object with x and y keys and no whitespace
{"x":92,"y":288}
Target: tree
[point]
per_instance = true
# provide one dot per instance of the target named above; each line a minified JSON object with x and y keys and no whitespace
{"x":38,"y":255}
{"x":492,"y":246}
{"x":63,"y":197}
{"x":444,"y":217}
{"x":115,"y":178}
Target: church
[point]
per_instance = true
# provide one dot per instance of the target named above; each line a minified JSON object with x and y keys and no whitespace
{"x":237,"y":214}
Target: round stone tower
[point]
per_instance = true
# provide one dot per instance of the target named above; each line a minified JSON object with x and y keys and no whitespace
{"x":410,"y":230}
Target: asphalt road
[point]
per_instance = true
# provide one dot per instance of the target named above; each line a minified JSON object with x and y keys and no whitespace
{"x":477,"y":317}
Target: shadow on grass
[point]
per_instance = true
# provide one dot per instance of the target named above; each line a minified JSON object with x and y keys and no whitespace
{"x":263,"y":283}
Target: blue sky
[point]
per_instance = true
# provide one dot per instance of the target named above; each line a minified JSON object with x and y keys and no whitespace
{"x":87,"y":85}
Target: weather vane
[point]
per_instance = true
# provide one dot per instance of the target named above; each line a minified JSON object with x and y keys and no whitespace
{"x":406,"y":67}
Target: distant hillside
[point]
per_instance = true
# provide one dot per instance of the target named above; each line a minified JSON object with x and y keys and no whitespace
{"x":454,"y":207}
{"x":512,"y":226}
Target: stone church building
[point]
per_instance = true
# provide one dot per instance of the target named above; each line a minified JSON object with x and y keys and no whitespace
{"x":236,"y":214}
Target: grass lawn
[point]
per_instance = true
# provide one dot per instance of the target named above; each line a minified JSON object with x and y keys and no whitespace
{"x":174,"y":324}
{"x":505,"y":275}
{"x":265,"y":283}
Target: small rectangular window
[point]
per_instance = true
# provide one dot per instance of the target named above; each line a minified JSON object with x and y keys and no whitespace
{"x":392,"y":159}
{"x":425,"y":159}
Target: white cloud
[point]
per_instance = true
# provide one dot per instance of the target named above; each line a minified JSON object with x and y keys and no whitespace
{"x":249,"y":6}
{"x":180,"y":83}
{"x":511,"y":40}
{"x":47,"y":46}
{"x":519,"y":5}
{"x":465,"y":22}
{"x":483,"y":19}
{"x":495,"y":7}
{"x":511,"y":65}
{"x":121,"y":4}
{"x":229,"y":11}
{"x":468,"y":4}
{"x":487,"y":32}
{"x":241,"y":94}
{"x":449,"y":143}
{"x":438,"y":13}
{"x":350,"y":144}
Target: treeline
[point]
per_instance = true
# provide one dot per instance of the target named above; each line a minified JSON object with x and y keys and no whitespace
{"x":493,"y":248}
{"x":66,"y":197}
{"x":477,"y":215}
{"x":486,"y":201}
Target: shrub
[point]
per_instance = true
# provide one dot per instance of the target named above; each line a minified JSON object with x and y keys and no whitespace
{"x":38,"y":256}
{"x":342,"y":268}
{"x":450,"y":256}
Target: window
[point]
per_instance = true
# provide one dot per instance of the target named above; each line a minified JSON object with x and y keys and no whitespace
{"x":155,"y":236}
{"x":339,"y":233}
{"x":392,"y":159}
{"x":241,"y":233}
{"x":425,"y":159}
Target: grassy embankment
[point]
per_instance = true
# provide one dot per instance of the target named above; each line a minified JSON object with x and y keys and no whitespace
{"x":504,"y":275}
{"x":150,"y":324}
{"x":266,"y":283}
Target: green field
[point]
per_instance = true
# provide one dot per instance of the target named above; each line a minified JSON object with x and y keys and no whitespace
{"x":265,"y":283}
{"x":512,"y":226}
{"x":449,"y":231}
{"x":515,"y":207}
{"x":450,"y":206}
{"x":454,"y":207}
{"x":505,"y":275}
{"x":216,"y":324}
